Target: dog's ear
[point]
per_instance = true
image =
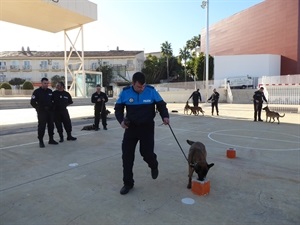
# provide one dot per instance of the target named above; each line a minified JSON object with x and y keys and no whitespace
{"x":210,"y":165}
{"x":190,"y":142}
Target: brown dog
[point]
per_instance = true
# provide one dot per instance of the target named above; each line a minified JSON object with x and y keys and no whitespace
{"x":272,"y":115}
{"x":198,"y":109}
{"x":197,"y":161}
{"x":194,"y":109}
{"x":186,"y":108}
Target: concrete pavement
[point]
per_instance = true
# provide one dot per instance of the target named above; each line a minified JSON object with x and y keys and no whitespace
{"x":79,"y":182}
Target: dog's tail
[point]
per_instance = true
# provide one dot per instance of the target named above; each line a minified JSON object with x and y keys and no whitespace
{"x":282,"y":115}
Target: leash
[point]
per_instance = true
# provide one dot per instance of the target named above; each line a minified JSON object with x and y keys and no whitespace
{"x":178,"y":143}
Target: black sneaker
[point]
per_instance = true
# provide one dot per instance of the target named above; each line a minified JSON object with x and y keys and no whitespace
{"x":104,"y":128}
{"x":125,"y":189}
{"x":154,"y":173}
{"x":96,"y":129}
{"x":71,"y":138}
{"x":52,"y":142}
{"x":260,"y":120}
{"x":61,"y":139}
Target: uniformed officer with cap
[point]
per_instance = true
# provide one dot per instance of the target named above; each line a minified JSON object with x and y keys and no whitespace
{"x":61,"y":100}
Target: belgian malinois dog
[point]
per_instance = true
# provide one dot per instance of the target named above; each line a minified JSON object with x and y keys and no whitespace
{"x":197,"y":161}
{"x":272,"y":115}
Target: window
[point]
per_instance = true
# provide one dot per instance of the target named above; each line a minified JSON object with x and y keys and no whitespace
{"x":2,"y":65}
{"x":44,"y":65}
{"x":94,"y":66}
{"x":14,"y":65}
{"x":130,"y":65}
{"x":55,"y":66}
{"x":26,"y":65}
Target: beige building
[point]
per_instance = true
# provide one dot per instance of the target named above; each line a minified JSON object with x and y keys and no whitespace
{"x":34,"y":65}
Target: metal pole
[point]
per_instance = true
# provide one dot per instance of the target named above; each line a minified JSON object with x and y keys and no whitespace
{"x":207,"y":48}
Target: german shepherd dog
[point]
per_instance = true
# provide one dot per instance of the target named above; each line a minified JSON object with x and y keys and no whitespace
{"x":198,"y":109}
{"x":186,"y":108}
{"x":272,"y":115}
{"x":197,"y":161}
{"x":194,"y":110}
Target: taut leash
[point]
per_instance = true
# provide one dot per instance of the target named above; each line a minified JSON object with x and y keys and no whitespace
{"x":178,"y":143}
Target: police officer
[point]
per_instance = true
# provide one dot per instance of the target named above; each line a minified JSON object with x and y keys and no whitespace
{"x":214,"y":101}
{"x":196,"y":97}
{"x":99,"y":98}
{"x":258,"y":99}
{"x":42,"y":101}
{"x":61,"y":100}
{"x":140,"y":101}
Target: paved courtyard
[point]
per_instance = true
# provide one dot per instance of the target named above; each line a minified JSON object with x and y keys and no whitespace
{"x":79,"y":182}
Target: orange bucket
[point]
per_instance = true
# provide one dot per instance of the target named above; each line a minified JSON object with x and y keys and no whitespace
{"x":200,"y":187}
{"x":231,"y":153}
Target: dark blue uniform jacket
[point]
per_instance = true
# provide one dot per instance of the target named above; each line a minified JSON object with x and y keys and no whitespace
{"x":140,"y":107}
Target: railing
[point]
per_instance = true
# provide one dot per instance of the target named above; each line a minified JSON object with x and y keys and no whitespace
{"x":282,"y":89}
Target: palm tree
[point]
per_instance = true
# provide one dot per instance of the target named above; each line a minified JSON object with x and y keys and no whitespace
{"x":167,"y":51}
{"x":193,"y":43}
{"x":184,"y":55}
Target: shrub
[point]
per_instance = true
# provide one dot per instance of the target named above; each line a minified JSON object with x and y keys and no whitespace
{"x":6,"y":86}
{"x":27,"y":85}
{"x":16,"y":81}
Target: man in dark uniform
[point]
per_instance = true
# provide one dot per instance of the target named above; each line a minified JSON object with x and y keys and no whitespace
{"x":99,"y":98}
{"x":42,"y":101}
{"x":140,"y":101}
{"x":258,"y":99}
{"x":196,"y":97}
{"x":61,"y":100}
{"x":214,"y":101}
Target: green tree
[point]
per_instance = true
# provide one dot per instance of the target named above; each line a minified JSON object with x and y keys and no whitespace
{"x":153,"y":69}
{"x":199,"y":67}
{"x":193,"y":43}
{"x":16,"y":81}
{"x":184,"y":55}
{"x":55,"y":79}
{"x":167,"y":52}
{"x":107,"y":74}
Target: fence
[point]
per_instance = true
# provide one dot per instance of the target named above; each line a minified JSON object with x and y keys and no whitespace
{"x":283,"y":90}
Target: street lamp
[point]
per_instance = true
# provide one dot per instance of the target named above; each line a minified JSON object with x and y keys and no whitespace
{"x":205,"y":4}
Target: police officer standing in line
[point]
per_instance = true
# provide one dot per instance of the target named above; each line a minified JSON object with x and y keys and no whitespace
{"x":99,"y":98}
{"x":258,"y":99}
{"x":61,"y":100}
{"x":214,"y":101}
{"x":42,"y":101}
{"x":140,"y":101}
{"x":196,"y":97}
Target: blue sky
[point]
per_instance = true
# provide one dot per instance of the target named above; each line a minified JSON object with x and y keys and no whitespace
{"x":130,"y":25}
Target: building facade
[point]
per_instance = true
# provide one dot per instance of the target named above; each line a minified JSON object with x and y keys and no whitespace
{"x":34,"y":65}
{"x":270,"y":27}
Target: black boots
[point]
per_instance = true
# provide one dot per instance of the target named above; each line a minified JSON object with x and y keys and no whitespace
{"x":41,"y":143}
{"x":70,"y":137}
{"x":61,"y":137}
{"x":52,"y":141}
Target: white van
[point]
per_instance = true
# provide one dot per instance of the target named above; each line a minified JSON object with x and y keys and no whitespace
{"x":241,"y":82}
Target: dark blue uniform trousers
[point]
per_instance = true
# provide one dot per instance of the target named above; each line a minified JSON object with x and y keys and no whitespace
{"x":145,"y":135}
